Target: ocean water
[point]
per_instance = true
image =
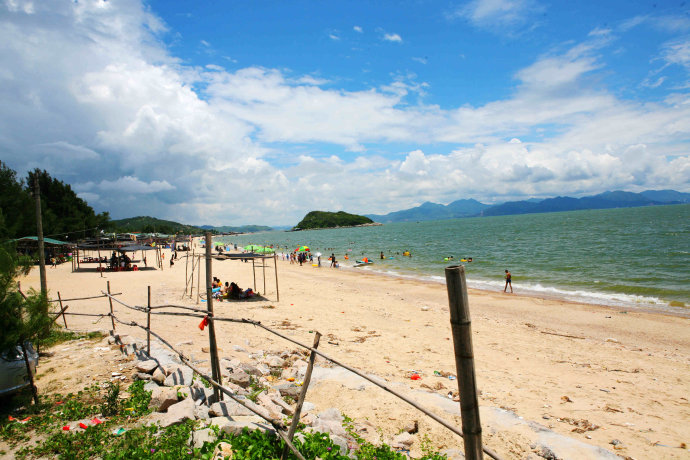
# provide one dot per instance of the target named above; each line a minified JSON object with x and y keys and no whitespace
{"x":631,"y":257}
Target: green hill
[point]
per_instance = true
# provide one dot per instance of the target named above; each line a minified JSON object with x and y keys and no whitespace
{"x":325,"y":219}
{"x":147,"y":224}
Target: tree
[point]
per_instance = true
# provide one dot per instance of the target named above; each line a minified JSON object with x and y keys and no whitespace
{"x":15,"y":205}
{"x":22,"y":318}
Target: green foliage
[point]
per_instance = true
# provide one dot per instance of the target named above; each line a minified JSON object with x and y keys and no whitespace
{"x":58,"y":335}
{"x":21,"y":319}
{"x":16,"y":205}
{"x":323,"y":219}
{"x":111,"y":405}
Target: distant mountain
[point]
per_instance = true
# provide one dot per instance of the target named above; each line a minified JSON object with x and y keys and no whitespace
{"x":606,"y":200}
{"x":325,"y":219}
{"x":240,"y":229}
{"x":667,"y":196}
{"x":147,"y":224}
{"x":433,"y":211}
{"x":471,"y":208}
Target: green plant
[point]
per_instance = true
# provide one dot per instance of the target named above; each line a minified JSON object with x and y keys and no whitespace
{"x":111,"y":405}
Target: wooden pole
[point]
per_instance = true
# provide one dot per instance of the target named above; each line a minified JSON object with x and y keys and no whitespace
{"x":275,"y":267}
{"x":303,"y":393}
{"x":198,"y":278}
{"x":148,"y":325}
{"x":112,"y":318}
{"x":34,"y":391}
{"x":63,"y":312}
{"x":254,"y":273}
{"x":464,"y":361}
{"x":39,"y":231}
{"x":186,"y":274}
{"x":263,"y":268}
{"x":215,"y":364}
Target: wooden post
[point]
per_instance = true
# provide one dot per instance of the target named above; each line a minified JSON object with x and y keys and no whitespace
{"x":148,"y":325}
{"x":34,"y":391}
{"x":112,"y":318}
{"x":215,"y":364}
{"x":39,"y":232}
{"x":263,"y":268}
{"x":464,"y":361}
{"x":186,"y":274}
{"x":275,"y":267}
{"x":63,"y":313}
{"x":303,"y":393}
{"x":254,"y":273}
{"x":198,"y":278}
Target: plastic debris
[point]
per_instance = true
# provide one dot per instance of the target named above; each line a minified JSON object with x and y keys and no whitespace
{"x":95,"y":421}
{"x":119,"y":431}
{"x":415,"y":377}
{"x":203,"y":323}
{"x":83,"y":425}
{"x":66,"y":428}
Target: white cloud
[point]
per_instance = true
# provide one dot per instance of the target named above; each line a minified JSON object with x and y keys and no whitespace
{"x":333,"y":37}
{"x":392,"y":38}
{"x":88,"y":89}
{"x":498,"y":15}
{"x":357,"y":29}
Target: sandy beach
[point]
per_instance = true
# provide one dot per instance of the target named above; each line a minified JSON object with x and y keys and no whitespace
{"x":566,"y":367}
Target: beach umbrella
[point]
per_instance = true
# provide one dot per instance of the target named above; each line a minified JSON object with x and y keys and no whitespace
{"x":252,"y":247}
{"x":302,"y":248}
{"x":264,"y":250}
{"x":218,"y":243}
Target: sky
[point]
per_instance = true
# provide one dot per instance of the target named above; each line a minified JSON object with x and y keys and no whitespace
{"x":257,"y":112}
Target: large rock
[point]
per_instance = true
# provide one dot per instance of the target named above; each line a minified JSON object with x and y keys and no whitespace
{"x":198,"y":438}
{"x":286,"y":408}
{"x":288,"y":389}
{"x":330,"y":421}
{"x":158,"y":376}
{"x":201,"y":412}
{"x":228,"y":409}
{"x":147,"y":366}
{"x":181,"y":375}
{"x":223,"y":450}
{"x":150,"y":386}
{"x":275,"y":361}
{"x":162,"y":398}
{"x":250,"y":369}
{"x":177,"y":413}
{"x":403,"y":440}
{"x":252,"y":422}
{"x":239,"y":378}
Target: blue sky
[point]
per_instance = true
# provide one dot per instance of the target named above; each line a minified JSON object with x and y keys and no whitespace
{"x":237,"y":112}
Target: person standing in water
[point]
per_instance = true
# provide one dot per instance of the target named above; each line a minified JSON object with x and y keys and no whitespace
{"x":509,"y":282}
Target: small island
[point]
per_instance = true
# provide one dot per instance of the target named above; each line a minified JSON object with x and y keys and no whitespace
{"x":324,"y":219}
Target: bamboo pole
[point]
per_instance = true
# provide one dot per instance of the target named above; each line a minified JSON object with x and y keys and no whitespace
{"x":87,"y":298}
{"x":110,"y":300}
{"x":254,"y":273}
{"x":215,"y":365}
{"x":148,"y":325}
{"x":464,"y":361}
{"x":303,"y":393}
{"x":275,"y":266}
{"x":263,"y":268}
{"x":63,"y":314}
{"x":41,"y":247}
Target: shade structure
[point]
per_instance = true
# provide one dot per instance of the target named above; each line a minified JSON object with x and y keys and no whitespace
{"x":252,"y":247}
{"x":264,"y":250}
{"x":302,"y":249}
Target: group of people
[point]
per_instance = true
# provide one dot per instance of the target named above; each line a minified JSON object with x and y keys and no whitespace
{"x":229,"y":290}
{"x":121,"y":261}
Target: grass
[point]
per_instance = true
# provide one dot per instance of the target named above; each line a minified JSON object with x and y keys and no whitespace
{"x":58,"y":335}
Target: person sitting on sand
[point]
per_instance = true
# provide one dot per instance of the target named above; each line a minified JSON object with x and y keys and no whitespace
{"x":235,"y":291}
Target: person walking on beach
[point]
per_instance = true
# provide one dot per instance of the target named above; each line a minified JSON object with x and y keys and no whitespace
{"x":508,"y":278}
{"x":333,"y":260}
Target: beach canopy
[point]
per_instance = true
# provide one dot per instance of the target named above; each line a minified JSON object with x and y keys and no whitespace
{"x":252,"y":247}
{"x":135,"y":247}
{"x":302,"y":248}
{"x":45,"y":241}
{"x":264,"y":250}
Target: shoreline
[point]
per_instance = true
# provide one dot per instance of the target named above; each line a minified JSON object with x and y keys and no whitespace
{"x":621,"y":371}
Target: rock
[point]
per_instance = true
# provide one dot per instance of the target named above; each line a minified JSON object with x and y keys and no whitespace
{"x":228,"y":409}
{"x":150,"y":386}
{"x":308,"y":418}
{"x":158,"y":376}
{"x":289,"y":373}
{"x":147,"y":366}
{"x":252,"y":422}
{"x":112,"y":340}
{"x":227,"y":364}
{"x":331,"y":414}
{"x":177,"y":413}
{"x":454,"y":454}
{"x":250,"y":369}
{"x":223,"y":450}
{"x":143,"y":376}
{"x":275,"y":361}
{"x":286,"y":408}
{"x":198,"y":438}
{"x":403,"y":440}
{"x":263,"y":369}
{"x":288,"y":389}
{"x":186,"y":342}
{"x":307,"y":407}
{"x":267,"y":403}
{"x":239,"y":348}
{"x":179,"y":376}
{"x":201,"y":412}
{"x":341,"y":443}
{"x":412,"y":427}
{"x":239,"y":378}
{"x":162,"y":398}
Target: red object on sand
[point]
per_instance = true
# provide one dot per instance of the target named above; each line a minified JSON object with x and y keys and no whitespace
{"x":66,"y":428}
{"x":203,"y":323}
{"x":82,"y":425}
{"x":95,"y":421}
{"x":415,"y":377}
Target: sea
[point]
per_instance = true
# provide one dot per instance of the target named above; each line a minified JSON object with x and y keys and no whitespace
{"x":625,"y":257}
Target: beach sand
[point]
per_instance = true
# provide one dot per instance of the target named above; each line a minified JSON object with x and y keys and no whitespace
{"x":544,"y":367}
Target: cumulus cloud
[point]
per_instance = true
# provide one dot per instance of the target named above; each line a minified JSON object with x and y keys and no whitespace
{"x":497,"y":15}
{"x":357,"y":29}
{"x":392,"y":38}
{"x":89,"y":92}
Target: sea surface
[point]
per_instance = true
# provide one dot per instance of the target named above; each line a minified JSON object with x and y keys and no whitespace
{"x":630,"y":257}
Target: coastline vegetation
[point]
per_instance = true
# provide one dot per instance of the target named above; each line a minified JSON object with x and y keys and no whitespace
{"x":325,"y":219}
